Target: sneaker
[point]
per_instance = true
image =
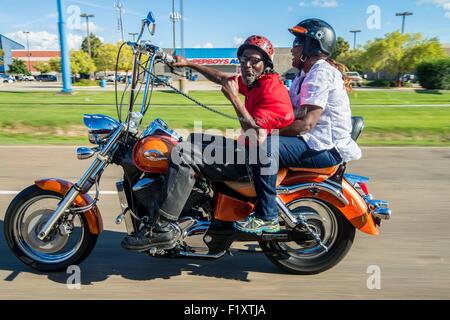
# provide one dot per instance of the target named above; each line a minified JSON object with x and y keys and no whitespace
{"x":256,"y":225}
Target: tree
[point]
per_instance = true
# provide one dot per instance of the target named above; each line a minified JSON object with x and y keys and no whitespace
{"x":95,"y":44}
{"x":342,"y":47}
{"x":43,"y":67}
{"x":352,"y":59}
{"x":434,"y":74}
{"x":419,"y":51}
{"x":81,"y":63}
{"x":126,"y":58}
{"x":398,"y":53}
{"x":18,"y":67}
{"x":55,"y":64}
{"x":106,"y":57}
{"x":374,"y":56}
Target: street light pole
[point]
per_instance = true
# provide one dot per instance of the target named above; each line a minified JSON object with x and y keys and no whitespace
{"x":119,"y":7}
{"x":173,"y":23}
{"x":134,"y":35}
{"x":354,"y":37}
{"x":28,"y":50}
{"x":87,"y":16}
{"x":65,"y":57}
{"x":182,"y":27}
{"x":403,"y":15}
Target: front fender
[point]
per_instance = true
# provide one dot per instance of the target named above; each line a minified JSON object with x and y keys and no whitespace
{"x":356,"y":211}
{"x":93,"y":217}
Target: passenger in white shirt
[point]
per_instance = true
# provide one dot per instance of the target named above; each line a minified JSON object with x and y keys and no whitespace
{"x":320,"y":136}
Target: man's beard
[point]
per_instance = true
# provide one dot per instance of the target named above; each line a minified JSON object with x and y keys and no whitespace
{"x":249,"y":77}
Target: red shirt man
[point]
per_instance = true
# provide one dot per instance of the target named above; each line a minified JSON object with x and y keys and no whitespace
{"x":268,"y":102}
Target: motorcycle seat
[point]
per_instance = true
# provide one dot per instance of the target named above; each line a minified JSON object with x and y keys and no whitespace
{"x":247,"y":189}
{"x":302,"y":175}
{"x":286,"y":176}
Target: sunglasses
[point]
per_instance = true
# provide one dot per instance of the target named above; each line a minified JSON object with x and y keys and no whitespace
{"x":253,"y":60}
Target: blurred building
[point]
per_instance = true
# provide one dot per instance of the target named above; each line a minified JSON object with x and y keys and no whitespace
{"x":35,"y":56}
{"x":7,"y":46}
{"x":225,"y":60}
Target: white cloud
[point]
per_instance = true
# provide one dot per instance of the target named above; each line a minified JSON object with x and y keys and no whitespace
{"x":444,"y":4}
{"x":74,"y":41}
{"x":237,"y":41}
{"x":205,"y":45}
{"x":325,"y":3}
{"x":302,"y":4}
{"x":92,"y":27}
{"x":43,"y":40}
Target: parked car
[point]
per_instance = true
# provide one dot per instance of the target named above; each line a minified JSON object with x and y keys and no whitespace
{"x":409,"y":78}
{"x":6,"y":78}
{"x":46,"y":77}
{"x":167,"y":79}
{"x":22,"y":77}
{"x":111,"y":78}
{"x":355,"y":77}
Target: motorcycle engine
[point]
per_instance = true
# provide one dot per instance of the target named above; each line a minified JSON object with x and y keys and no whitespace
{"x":147,"y":192}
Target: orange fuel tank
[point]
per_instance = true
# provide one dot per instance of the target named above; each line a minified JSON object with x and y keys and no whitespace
{"x":152,"y":153}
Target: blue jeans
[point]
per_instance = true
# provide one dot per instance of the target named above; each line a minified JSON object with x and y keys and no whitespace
{"x":291,"y":152}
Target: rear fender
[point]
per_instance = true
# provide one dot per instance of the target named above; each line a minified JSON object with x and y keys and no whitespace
{"x":93,"y":217}
{"x":356,"y":211}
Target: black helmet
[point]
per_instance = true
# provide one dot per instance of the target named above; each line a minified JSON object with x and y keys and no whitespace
{"x":317,"y":36}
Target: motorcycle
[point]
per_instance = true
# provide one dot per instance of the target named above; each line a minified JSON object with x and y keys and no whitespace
{"x":54,"y":223}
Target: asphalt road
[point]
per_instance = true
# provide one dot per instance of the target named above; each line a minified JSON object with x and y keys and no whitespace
{"x":412,"y":252}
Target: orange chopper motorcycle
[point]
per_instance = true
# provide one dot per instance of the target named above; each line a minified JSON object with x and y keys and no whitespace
{"x":53,"y":223}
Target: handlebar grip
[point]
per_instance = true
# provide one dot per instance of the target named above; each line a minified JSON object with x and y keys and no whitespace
{"x":167,"y":58}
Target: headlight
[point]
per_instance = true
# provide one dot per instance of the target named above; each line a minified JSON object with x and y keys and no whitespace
{"x":97,"y":137}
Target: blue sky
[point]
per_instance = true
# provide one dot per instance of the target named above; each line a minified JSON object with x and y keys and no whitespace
{"x":224,"y":23}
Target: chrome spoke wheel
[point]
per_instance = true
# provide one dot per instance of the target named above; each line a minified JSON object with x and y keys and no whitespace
{"x":61,"y":244}
{"x":321,"y":220}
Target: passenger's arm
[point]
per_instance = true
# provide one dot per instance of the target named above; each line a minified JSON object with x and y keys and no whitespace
{"x":304,"y":124}
{"x":211,"y":74}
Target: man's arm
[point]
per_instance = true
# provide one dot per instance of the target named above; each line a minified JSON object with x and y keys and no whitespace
{"x":211,"y":74}
{"x":304,"y":124}
{"x":230,"y":89}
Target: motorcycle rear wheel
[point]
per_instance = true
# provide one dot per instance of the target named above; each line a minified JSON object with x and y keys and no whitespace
{"x":21,"y":228}
{"x":311,"y":258}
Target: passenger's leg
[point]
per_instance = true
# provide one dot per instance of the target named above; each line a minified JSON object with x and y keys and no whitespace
{"x":264,"y":166}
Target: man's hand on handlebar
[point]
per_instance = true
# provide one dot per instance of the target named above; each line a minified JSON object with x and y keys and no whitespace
{"x":180,"y":62}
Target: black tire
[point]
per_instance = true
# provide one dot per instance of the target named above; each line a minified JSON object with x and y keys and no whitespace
{"x":86,"y":246}
{"x":297,"y":265}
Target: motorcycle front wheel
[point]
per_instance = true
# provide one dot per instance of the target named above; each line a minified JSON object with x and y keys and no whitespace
{"x":309,"y":257}
{"x":68,"y":244}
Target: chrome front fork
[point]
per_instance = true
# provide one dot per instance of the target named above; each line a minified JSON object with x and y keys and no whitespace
{"x":83,"y":185}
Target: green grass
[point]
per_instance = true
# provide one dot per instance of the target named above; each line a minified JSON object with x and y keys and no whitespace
{"x":49,"y":118}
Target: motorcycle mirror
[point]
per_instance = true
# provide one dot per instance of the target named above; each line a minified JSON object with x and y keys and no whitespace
{"x":150,"y":18}
{"x":151,"y":29}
